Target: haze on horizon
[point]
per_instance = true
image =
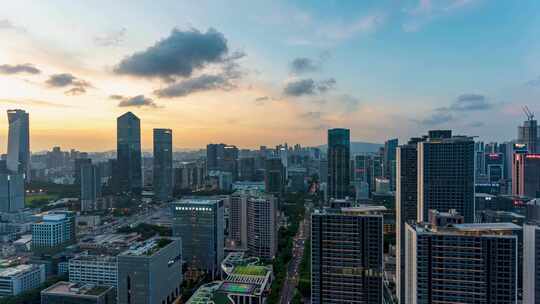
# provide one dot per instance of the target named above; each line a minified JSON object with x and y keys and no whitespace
{"x":267,"y":72}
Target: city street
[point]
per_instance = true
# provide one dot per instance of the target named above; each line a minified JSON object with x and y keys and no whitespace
{"x":291,"y":280}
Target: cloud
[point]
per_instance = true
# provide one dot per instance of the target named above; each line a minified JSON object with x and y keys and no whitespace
{"x":178,"y":55}
{"x":197,"y":84}
{"x":363,"y":25}
{"x":78,"y":86}
{"x":471,"y":102}
{"x":18,"y":68}
{"x":113,"y":38}
{"x":436,"y":118}
{"x":33,"y":102}
{"x":476,"y":124}
{"x":428,"y":10}
{"x":350,"y":102}
{"x":303,"y":65}
{"x":533,"y":82}
{"x":308,"y":86}
{"x":311,"y":115}
{"x":6,"y":24}
{"x":135,"y":101}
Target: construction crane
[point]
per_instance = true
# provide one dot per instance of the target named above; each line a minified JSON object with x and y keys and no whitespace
{"x":528,"y":113}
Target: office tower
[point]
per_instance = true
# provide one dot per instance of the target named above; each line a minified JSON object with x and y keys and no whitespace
{"x":222,"y":157}
{"x":446,"y":174}
{"x":150,"y":272}
{"x":463,"y":263}
{"x":494,"y":163}
{"x":347,"y":255}
{"x":214,"y":156}
{"x":323,"y":170}
{"x":338,"y":163}
{"x":54,"y":232}
{"x":11,"y":192}
{"x":163,"y":164}
{"x":128,"y":149}
{"x":389,"y":161}
{"x":94,"y":269}
{"x":531,"y":264}
{"x":525,"y":175}
{"x":190,"y":175}
{"x":274,"y":176}
{"x":18,"y":279}
{"x":238,"y":219}
{"x":261,"y":226}
{"x":90,"y":184}
{"x":71,"y":293}
{"x":247,"y":169}
{"x":528,"y":133}
{"x":200,"y":224}
{"x":18,"y":156}
{"x":79,"y":162}
{"x":479,"y":160}
{"x":406,"y":205}
{"x":532,"y":211}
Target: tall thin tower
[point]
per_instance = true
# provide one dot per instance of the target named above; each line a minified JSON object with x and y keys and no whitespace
{"x":18,"y":158}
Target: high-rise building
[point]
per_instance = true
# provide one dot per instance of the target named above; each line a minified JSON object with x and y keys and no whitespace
{"x":528,"y":134}
{"x":18,"y":156}
{"x":222,"y":157}
{"x":247,"y":169}
{"x":389,"y":161}
{"x":462,"y":263}
{"x":494,"y":162}
{"x":531,"y":263}
{"x":526,"y":175}
{"x":90,"y":182}
{"x":79,"y":162}
{"x":128,"y":149}
{"x":406,"y":205}
{"x":261,"y":226}
{"x":11,"y":192}
{"x":347,"y":255}
{"x":446,"y":174}
{"x":150,"y":272}
{"x":17,"y":279}
{"x":338,"y":163}
{"x":54,"y":232}
{"x":200,"y":224}
{"x":238,"y":219}
{"x":274,"y":176}
{"x":163,"y":164}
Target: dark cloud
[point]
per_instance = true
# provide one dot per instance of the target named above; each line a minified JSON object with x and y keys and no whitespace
{"x":178,"y":55}
{"x":350,"y":102}
{"x":135,"y":101}
{"x":75,"y":91}
{"x":308,"y":86}
{"x":78,"y":86}
{"x":325,"y":85}
{"x":300,"y":87}
{"x":66,"y":79}
{"x":470,"y":102}
{"x":263,"y":98}
{"x":196,"y":84}
{"x":302,"y":65}
{"x":111,"y":39}
{"x":19,"y":68}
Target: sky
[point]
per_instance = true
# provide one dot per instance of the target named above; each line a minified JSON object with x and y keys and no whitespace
{"x":255,"y":73}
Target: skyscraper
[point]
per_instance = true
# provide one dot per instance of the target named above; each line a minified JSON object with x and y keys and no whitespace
{"x":163,"y":167}
{"x":531,"y":263}
{"x":128,"y":136}
{"x":274,"y":176}
{"x":347,"y":255}
{"x":11,"y":192}
{"x":526,"y":175}
{"x":464,"y":263}
{"x":389,"y":161}
{"x":528,"y":134}
{"x":338,"y":163}
{"x":406,"y":205}
{"x":261,"y":226}
{"x":90,"y":186}
{"x":200,"y":224}
{"x":446,"y":174}
{"x":18,"y":156}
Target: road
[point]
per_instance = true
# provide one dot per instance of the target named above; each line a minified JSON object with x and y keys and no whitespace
{"x":291,"y":279}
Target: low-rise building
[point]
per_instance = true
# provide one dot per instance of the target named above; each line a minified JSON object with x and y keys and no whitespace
{"x":73,"y":293}
{"x":17,"y":279}
{"x":94,"y":269}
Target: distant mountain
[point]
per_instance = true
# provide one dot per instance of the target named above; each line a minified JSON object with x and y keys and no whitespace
{"x":358,"y":147}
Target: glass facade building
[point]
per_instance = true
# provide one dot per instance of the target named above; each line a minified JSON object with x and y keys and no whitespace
{"x":128,"y":149}
{"x":339,"y":172}
{"x":163,"y":164}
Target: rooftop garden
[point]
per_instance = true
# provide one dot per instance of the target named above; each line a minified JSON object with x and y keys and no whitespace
{"x":250,"y":270}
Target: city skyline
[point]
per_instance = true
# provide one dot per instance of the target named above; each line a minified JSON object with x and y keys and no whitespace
{"x":466,"y":65}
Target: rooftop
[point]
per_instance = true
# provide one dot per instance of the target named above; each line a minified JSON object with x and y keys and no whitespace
{"x":197,"y":201}
{"x":15,"y":270}
{"x":251,"y":270}
{"x":148,"y":247}
{"x":68,"y":288}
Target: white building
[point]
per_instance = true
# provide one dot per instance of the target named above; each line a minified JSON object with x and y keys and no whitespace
{"x":17,"y":279}
{"x":93,"y":269}
{"x":54,"y":231}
